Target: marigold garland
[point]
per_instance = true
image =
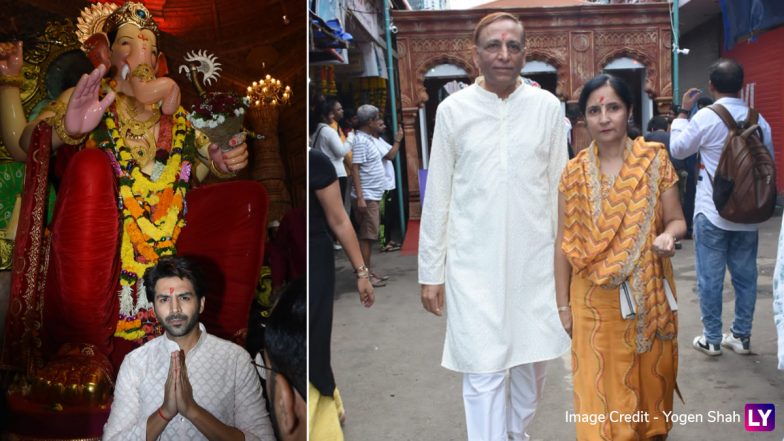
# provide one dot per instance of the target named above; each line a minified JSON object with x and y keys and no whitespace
{"x":152,"y":217}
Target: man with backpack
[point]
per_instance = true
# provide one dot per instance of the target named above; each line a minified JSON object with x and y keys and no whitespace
{"x":735,"y":192}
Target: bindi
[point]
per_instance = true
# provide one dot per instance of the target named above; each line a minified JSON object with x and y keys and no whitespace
{"x":601,"y":100}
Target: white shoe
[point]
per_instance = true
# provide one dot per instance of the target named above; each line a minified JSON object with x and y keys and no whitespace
{"x":706,"y":348}
{"x":739,"y":345}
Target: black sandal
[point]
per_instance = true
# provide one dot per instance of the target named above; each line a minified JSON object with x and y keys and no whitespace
{"x":377,"y":282}
{"x":381,"y":278}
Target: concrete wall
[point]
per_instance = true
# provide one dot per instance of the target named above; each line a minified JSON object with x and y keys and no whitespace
{"x":763,"y":64}
{"x":704,"y":44}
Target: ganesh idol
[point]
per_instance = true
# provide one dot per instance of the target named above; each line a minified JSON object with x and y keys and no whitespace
{"x":130,"y":164}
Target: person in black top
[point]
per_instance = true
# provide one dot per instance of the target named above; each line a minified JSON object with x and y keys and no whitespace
{"x":326,"y":213}
{"x":658,"y":131}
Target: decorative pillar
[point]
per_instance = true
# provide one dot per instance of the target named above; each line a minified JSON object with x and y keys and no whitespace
{"x":580,"y":136}
{"x":412,"y":158}
{"x":267,"y":165}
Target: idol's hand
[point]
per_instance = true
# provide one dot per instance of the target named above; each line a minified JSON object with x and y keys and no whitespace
{"x":11,"y":59}
{"x":236,"y":159}
{"x":230,"y":161}
{"x":433,"y":298}
{"x":84,"y":110}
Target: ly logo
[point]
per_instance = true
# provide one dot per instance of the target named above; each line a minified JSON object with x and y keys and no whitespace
{"x":760,"y":417}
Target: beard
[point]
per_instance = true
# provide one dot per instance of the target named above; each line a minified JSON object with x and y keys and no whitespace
{"x":184,"y":329}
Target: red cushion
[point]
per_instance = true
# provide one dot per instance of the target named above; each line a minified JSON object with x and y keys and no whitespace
{"x":224,"y":231}
{"x":287,"y":251}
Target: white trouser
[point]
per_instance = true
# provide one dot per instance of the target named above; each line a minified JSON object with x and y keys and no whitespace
{"x":494,"y":415}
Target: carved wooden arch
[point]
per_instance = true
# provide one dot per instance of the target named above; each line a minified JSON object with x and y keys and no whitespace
{"x":431,"y":62}
{"x":650,"y":66}
{"x":560,"y":65}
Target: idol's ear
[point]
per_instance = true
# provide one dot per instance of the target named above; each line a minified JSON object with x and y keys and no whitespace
{"x":162,"y":67}
{"x":97,"y":49}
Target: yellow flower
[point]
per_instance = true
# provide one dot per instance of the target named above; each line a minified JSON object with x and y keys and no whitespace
{"x":142,"y":237}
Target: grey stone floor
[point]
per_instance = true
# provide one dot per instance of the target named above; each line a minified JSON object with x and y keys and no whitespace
{"x":387,"y":362}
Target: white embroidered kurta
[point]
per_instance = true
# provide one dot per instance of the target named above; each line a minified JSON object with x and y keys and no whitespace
{"x":488,"y":226}
{"x":224,"y":383}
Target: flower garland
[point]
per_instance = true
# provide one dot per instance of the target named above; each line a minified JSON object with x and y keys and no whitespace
{"x":153,"y":210}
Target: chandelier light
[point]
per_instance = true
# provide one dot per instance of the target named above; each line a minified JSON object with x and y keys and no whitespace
{"x":268,"y":92}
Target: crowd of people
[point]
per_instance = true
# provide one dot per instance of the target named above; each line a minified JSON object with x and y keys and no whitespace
{"x":351,"y":178}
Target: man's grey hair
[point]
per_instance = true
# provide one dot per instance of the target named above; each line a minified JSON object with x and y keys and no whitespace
{"x":366,"y":113}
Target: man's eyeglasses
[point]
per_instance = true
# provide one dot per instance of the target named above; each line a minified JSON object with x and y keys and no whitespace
{"x":495,"y":46}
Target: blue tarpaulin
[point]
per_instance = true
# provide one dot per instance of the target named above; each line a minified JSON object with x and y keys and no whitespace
{"x":746,"y":18}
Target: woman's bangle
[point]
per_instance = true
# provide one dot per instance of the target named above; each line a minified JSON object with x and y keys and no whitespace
{"x":362,"y":272}
{"x":160,"y":414}
{"x":563,"y":308}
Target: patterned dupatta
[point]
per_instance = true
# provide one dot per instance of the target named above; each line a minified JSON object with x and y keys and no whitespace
{"x":609,"y":229}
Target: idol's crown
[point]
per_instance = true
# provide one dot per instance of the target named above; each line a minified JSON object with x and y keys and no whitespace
{"x":134,"y":13}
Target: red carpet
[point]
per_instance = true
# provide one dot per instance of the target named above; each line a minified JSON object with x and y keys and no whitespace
{"x":411,"y":242}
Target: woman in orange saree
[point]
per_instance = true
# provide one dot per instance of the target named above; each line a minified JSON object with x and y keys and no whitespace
{"x":619,"y":217}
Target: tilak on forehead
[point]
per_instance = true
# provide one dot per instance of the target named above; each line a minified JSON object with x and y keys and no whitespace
{"x":601,"y":99}
{"x":171,"y":291}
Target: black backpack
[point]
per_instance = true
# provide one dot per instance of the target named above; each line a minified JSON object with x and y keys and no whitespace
{"x":744,"y":186}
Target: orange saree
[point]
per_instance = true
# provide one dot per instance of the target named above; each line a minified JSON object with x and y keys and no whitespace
{"x":623,"y":370}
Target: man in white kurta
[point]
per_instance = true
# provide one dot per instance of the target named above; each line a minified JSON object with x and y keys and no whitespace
{"x":186,"y":384}
{"x":224,"y":382}
{"x":487,"y":234}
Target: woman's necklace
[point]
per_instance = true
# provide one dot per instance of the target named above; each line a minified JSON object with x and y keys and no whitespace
{"x":607,"y":180}
{"x":139,"y":135}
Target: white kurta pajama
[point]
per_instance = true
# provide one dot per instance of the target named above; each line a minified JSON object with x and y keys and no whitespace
{"x":223,"y":380}
{"x":488,"y":227}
